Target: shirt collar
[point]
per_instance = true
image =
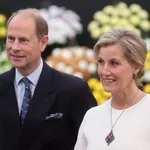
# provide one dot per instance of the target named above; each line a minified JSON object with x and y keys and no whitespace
{"x":33,"y":77}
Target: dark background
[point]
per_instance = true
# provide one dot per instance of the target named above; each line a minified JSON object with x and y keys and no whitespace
{"x":84,"y":8}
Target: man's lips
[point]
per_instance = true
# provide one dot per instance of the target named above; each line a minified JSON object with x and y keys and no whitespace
{"x":17,"y":56}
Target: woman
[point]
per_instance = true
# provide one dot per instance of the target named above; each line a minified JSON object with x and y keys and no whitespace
{"x":122,"y":122}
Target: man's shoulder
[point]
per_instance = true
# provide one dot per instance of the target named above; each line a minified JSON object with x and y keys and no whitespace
{"x":67,"y":77}
{"x":5,"y":74}
{"x":61,"y":75}
{"x":6,"y":77}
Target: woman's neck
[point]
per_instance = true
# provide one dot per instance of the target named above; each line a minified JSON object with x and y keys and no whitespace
{"x":123,"y":100}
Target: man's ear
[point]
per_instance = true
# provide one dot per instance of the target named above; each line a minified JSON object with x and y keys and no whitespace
{"x":43,"y":42}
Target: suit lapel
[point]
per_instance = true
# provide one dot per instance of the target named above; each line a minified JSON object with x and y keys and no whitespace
{"x":41,"y":103}
{"x":9,"y":108}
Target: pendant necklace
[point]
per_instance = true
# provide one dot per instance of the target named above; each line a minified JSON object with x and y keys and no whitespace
{"x":110,"y":137}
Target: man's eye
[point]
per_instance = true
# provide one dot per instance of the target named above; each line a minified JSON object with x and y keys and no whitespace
{"x":114,"y":63}
{"x":10,"y":38}
{"x":23,"y":40}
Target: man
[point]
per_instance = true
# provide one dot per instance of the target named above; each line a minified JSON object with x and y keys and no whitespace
{"x":57,"y":101}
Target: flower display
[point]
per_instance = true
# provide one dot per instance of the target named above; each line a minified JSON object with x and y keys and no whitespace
{"x":146,"y":77}
{"x":2,"y":32}
{"x":63,"y":24}
{"x":81,"y":61}
{"x":78,"y":61}
{"x":2,"y":26}
{"x":121,"y":15}
{"x":4,"y":63}
{"x":147,"y":88}
{"x":98,"y":91}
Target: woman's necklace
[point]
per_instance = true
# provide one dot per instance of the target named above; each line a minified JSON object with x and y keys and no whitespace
{"x":110,"y":137}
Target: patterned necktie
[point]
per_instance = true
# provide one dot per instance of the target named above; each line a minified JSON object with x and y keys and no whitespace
{"x":26,"y":99}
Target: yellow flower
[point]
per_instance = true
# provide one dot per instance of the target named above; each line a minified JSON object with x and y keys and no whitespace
{"x":106,"y":95}
{"x":96,"y":33}
{"x":143,"y":14}
{"x":92,"y":81}
{"x":116,"y":12}
{"x":130,"y":26}
{"x":134,"y":19}
{"x":147,"y":88}
{"x":98,"y":91}
{"x":147,"y":66}
{"x":123,"y":22}
{"x":2,"y":19}
{"x":137,"y":31}
{"x":148,"y":56}
{"x":145,"y":25}
{"x":135,"y":8}
{"x":108,"y":9}
{"x":2,"y":32}
{"x":106,"y":28}
{"x":92,"y":25}
{"x":125,"y":12}
{"x":122,"y":5}
{"x":101,"y":17}
{"x":99,"y":97}
{"x":99,"y":87}
{"x":114,"y":20}
{"x":120,"y":16}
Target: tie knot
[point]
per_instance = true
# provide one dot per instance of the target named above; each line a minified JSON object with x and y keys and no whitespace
{"x":26,"y":81}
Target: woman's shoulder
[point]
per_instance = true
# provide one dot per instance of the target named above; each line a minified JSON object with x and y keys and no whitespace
{"x":99,"y":109}
{"x":147,"y":96}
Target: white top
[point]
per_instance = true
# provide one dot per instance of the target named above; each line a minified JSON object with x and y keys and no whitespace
{"x":132,"y":130}
{"x":19,"y":86}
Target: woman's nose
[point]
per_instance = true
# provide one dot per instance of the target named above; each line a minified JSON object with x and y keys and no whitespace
{"x":105,"y":70}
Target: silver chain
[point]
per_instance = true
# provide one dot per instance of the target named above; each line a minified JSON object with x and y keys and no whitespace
{"x":112,"y":125}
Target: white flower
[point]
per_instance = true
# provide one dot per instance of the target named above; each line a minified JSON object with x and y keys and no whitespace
{"x":147,"y":76}
{"x":63,"y":24}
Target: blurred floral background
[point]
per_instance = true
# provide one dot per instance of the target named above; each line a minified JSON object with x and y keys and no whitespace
{"x":4,"y":63}
{"x":65,"y":54}
{"x":64,"y":24}
{"x":121,"y":15}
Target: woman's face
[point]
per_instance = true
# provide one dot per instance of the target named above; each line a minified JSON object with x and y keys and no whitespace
{"x":115,"y":72}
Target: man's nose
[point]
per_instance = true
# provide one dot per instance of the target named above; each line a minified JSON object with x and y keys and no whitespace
{"x":16,"y":45}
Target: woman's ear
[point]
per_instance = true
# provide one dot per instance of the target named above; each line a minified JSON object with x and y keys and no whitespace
{"x":136,"y":70}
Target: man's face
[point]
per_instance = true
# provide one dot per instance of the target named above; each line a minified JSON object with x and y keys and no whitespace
{"x":23,"y":47}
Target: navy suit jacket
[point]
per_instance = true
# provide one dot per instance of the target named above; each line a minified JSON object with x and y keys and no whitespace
{"x":54,"y":116}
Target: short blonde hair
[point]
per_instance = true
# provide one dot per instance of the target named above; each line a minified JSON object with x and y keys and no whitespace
{"x":134,"y":47}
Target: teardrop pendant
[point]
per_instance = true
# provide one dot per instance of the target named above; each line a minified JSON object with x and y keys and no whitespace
{"x":110,"y":137}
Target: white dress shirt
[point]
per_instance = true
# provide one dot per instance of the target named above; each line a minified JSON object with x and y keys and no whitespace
{"x":20,"y":87}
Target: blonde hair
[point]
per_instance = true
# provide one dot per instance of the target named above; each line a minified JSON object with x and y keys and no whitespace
{"x":40,"y":22}
{"x":134,"y":47}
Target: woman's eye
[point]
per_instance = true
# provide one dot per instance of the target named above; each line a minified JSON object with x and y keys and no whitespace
{"x":100,"y":61}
